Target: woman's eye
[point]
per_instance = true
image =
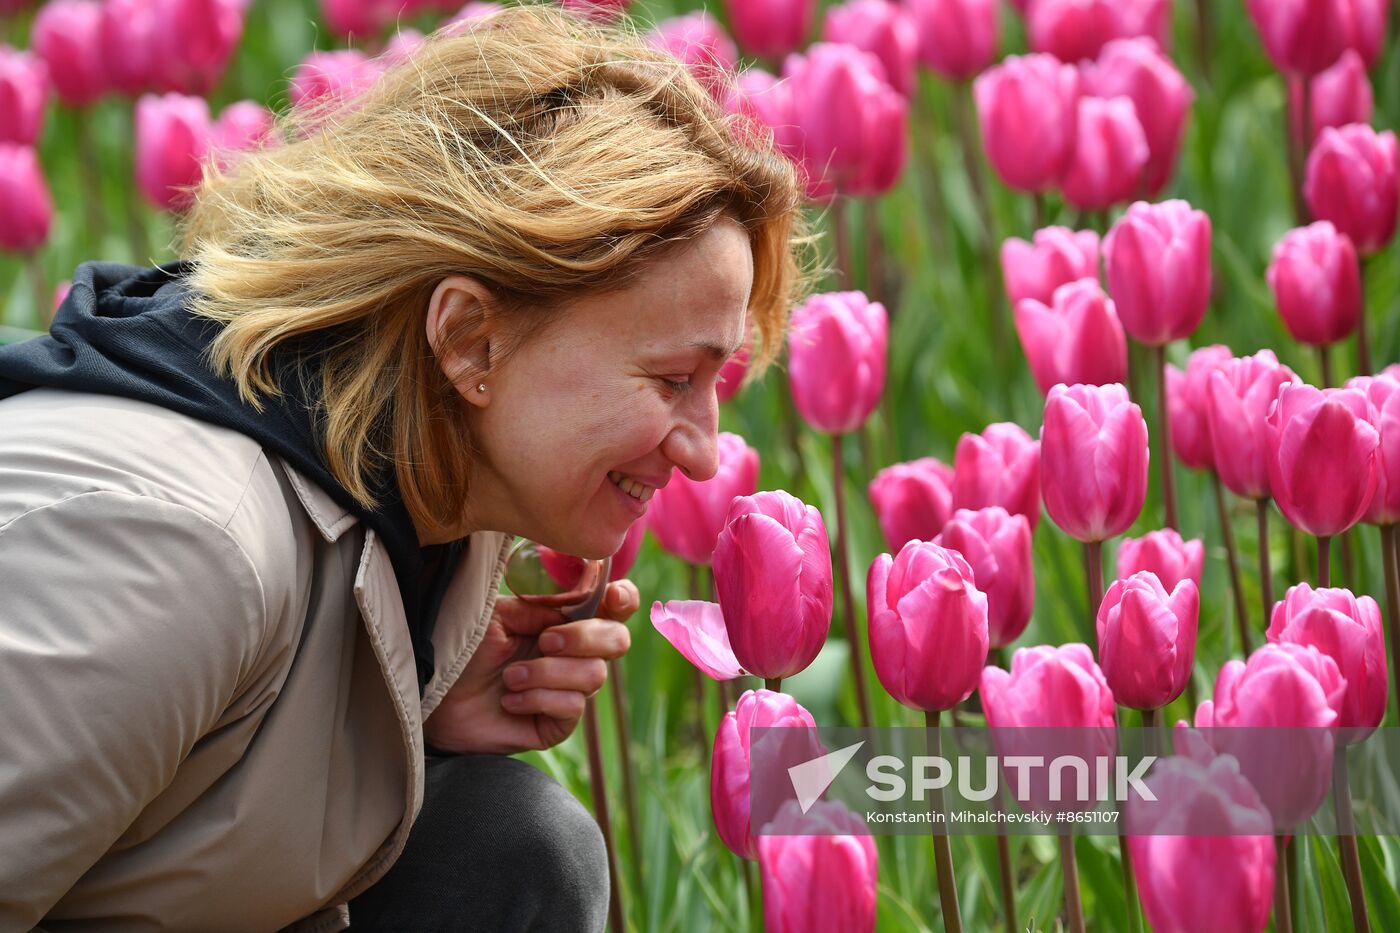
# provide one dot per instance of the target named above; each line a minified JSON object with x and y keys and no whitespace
{"x":676,"y":385}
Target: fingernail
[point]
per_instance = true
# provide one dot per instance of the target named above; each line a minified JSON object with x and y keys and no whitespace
{"x":551,"y":641}
{"x":515,"y":676}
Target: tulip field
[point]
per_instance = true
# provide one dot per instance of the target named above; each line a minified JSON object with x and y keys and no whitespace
{"x":1066,"y":437}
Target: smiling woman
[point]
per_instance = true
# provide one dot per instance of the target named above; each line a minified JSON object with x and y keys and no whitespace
{"x":255,"y":505}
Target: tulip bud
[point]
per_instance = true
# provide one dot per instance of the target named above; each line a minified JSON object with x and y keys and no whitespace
{"x":837,"y":347}
{"x":1000,"y":466}
{"x":1109,"y":154}
{"x":997,"y":546}
{"x":1164,"y":554}
{"x":1383,"y":394}
{"x":770,"y":28}
{"x":1076,"y":29}
{"x":404,"y":45}
{"x":603,"y":10}
{"x":733,"y":750}
{"x":1347,"y":629}
{"x":772,"y":568}
{"x":1351,"y":181}
{"x":1239,"y":395}
{"x":696,"y":629}
{"x":67,"y":35}
{"x":885,"y":30}
{"x":765,"y":102}
{"x":196,"y":39}
{"x":1157,"y":262}
{"x":467,"y":16}
{"x":1058,"y":256}
{"x":340,"y":75}
{"x":1187,"y":405}
{"x":852,"y":125}
{"x":26,"y":208}
{"x":957,"y":38}
{"x":1302,"y":38}
{"x":1340,"y":95}
{"x":912,"y":501}
{"x":566,"y":570}
{"x":241,"y":126}
{"x":131,"y":46}
{"x":1093,"y":460}
{"x":687,"y":515}
{"x":1322,"y":457}
{"x":173,"y":134}
{"x":822,"y":877}
{"x":731,"y":376}
{"x":1222,"y":880}
{"x":1028,"y":107}
{"x":1147,"y":639}
{"x":928,"y":625}
{"x":1137,"y":69}
{"x":1316,"y":280}
{"x":1077,"y":339}
{"x":1368,"y":28}
{"x":24,"y":89}
{"x":698,"y":40}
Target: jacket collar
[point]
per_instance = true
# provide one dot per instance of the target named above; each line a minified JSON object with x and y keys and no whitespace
{"x":330,"y":518}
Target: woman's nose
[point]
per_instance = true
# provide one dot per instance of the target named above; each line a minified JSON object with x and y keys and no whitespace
{"x":693,"y":444}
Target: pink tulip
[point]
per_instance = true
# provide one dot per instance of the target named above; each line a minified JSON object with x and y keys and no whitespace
{"x":770,"y":28}
{"x":466,"y":17}
{"x":1239,"y":395}
{"x":1383,"y":393}
{"x":360,"y":18}
{"x":1109,"y":155}
{"x":242,"y":125}
{"x":195,"y":42}
{"x":698,"y":40}
{"x":687,"y":516}
{"x":1093,"y":460}
{"x":403,"y":46}
{"x":131,"y":45}
{"x":696,"y":629}
{"x":1057,"y":257}
{"x":1322,"y":457}
{"x":1316,"y":280}
{"x":1165,"y":555}
{"x":885,"y":30}
{"x":1340,"y":95}
{"x":60,"y":294}
{"x":772,"y":568}
{"x":1028,"y":107}
{"x":761,"y":99}
{"x":173,"y":135}
{"x":912,"y":501}
{"x":1187,"y":405}
{"x":1368,"y":28}
{"x":852,"y":126}
{"x":597,"y":9}
{"x":836,"y":348}
{"x":1221,"y":880}
{"x":928,"y":625}
{"x":1351,"y":181}
{"x":1137,"y":69}
{"x":957,"y":38}
{"x":26,"y":208}
{"x":730,"y":767}
{"x":1302,"y":37}
{"x":339,"y":75}
{"x":1075,"y":29}
{"x":1077,"y":339}
{"x":731,"y":376}
{"x":1348,"y":630}
{"x":566,"y":570}
{"x":24,"y":89}
{"x":1000,"y":466}
{"x":67,"y":35}
{"x":1147,"y":639}
{"x":821,"y":878}
{"x":1275,"y":714}
{"x":1157,"y":262}
{"x":997,"y":546}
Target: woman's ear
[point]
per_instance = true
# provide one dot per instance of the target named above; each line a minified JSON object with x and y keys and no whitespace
{"x":459,"y":325}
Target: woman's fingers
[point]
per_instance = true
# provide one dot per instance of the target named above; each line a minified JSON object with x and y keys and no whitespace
{"x":583,"y":675}
{"x":621,"y":599}
{"x":564,"y":705}
{"x":586,"y":638}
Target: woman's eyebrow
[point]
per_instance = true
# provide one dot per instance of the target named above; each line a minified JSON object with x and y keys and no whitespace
{"x":712,"y":350}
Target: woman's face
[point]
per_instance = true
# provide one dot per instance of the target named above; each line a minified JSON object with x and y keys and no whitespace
{"x":582,"y":424}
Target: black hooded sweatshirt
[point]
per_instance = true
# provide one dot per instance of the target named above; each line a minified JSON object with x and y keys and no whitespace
{"x":125,"y":330}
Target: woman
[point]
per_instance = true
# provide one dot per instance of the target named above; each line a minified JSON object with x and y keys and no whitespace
{"x":255,"y":505}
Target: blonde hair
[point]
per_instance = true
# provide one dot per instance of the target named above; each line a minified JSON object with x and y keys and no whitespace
{"x":543,"y":154}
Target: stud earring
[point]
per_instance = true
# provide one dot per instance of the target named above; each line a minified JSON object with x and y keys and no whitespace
{"x":481,"y":388}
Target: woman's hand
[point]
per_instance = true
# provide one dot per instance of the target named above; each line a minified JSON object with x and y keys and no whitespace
{"x":526,"y":685}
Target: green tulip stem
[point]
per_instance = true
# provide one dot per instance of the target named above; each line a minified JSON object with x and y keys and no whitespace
{"x":1130,"y":895}
{"x":1283,"y":910}
{"x":942,"y":850}
{"x":1266,"y":578}
{"x":1164,"y":428}
{"x":629,"y":794}
{"x":43,"y":301}
{"x":1232,"y":559}
{"x":1392,"y":605}
{"x":842,"y":235}
{"x":598,"y":785}
{"x":773,"y":683}
{"x":1363,"y":348}
{"x":1093,"y":575}
{"x":697,"y":677}
{"x":842,"y":567}
{"x":1324,"y":560}
{"x":1007,"y":873}
{"x":1069,"y":869}
{"x":90,"y":177}
{"x":1346,"y":841}
{"x":1324,"y":362}
{"x":991,"y":266}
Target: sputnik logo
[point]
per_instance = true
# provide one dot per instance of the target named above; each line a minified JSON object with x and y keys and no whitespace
{"x":811,"y":778}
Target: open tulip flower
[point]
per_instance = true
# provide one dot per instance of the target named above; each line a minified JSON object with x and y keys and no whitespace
{"x":1147,"y":639}
{"x":1093,"y":460}
{"x":1322,"y":457}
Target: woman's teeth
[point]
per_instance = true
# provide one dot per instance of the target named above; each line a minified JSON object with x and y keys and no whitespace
{"x":639,"y":491}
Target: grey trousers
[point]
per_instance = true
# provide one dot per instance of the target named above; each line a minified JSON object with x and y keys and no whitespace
{"x":498,"y":845}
